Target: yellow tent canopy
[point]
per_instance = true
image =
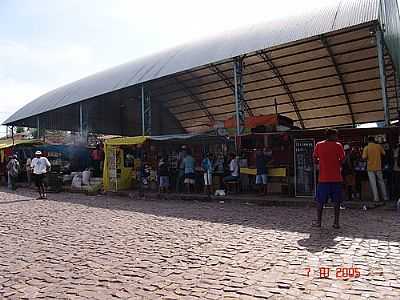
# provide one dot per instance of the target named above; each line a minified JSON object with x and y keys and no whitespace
{"x":9,"y":143}
{"x":126,"y":141}
{"x":113,"y":160}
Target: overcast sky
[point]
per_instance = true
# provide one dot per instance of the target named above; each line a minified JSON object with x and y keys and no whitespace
{"x":46,"y":43}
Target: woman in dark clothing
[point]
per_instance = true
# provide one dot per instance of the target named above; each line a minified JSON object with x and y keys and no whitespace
{"x":348,"y":172}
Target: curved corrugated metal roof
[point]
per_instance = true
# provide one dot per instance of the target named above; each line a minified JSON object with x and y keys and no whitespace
{"x":338,"y":15}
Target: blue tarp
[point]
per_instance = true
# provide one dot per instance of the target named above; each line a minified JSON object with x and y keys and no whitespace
{"x":78,"y":156}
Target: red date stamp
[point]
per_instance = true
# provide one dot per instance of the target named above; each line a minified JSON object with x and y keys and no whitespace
{"x":338,"y":273}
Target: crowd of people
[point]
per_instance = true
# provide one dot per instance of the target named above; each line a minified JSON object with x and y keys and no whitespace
{"x":36,"y":169}
{"x":379,"y":164}
{"x":216,"y":171}
{"x":354,"y":166}
{"x":28,"y":168}
{"x":185,"y":174}
{"x":339,"y":167}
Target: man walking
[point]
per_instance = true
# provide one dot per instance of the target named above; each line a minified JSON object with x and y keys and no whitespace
{"x":13,"y":171}
{"x":329,"y":154}
{"x":373,"y":154}
{"x":40,"y":166}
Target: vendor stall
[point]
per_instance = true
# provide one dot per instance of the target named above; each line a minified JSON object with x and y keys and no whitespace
{"x":356,"y":139}
{"x":66,"y":161}
{"x":66,"y":158}
{"x":292,"y":170}
{"x":280,"y":165}
{"x":126,"y":158}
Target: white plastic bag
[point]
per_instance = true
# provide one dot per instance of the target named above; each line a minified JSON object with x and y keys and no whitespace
{"x":220,"y":193}
{"x":77,"y":181}
{"x":86,"y":177}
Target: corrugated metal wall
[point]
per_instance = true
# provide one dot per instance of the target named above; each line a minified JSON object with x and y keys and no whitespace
{"x":390,"y":19}
{"x":337,"y":15}
{"x":317,"y":80}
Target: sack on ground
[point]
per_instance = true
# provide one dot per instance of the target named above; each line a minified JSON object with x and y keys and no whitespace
{"x":77,"y":181}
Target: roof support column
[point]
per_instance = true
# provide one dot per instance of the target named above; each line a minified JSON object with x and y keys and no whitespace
{"x":80,"y":120}
{"x":12,"y":135}
{"x":228,"y":82}
{"x":239,"y":95}
{"x":142,"y":107}
{"x":146,"y":113}
{"x":341,"y":79}
{"x":83,"y":123}
{"x":37,"y":127}
{"x":397,"y":80}
{"x":397,"y":94}
{"x":382,"y":72}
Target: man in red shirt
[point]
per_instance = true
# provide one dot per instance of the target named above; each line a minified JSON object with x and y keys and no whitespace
{"x":329,"y":154}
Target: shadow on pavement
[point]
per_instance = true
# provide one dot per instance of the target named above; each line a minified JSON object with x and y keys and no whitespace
{"x":15,"y":201}
{"x":320,"y":240}
{"x":372,"y":224}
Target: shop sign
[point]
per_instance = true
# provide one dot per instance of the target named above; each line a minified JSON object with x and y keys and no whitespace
{"x":305,"y":173}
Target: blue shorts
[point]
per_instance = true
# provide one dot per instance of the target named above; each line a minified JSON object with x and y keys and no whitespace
{"x":261,"y":179}
{"x":164,"y":181}
{"x":190,"y":176}
{"x":329,"y":190}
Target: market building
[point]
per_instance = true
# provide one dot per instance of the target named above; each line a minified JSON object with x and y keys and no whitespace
{"x":335,"y":67}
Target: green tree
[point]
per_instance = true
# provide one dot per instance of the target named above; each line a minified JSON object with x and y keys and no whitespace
{"x":20,"y":130}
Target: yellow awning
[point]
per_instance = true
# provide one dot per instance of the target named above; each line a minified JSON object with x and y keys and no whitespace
{"x":9,"y":143}
{"x":273,"y":172}
{"x":126,"y":141}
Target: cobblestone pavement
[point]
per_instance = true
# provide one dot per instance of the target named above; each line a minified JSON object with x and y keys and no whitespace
{"x":76,"y":247}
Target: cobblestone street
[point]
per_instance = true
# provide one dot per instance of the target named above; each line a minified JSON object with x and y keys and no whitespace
{"x":77,"y":247}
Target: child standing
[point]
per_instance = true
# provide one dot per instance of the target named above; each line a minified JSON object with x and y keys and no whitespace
{"x":163,"y":173}
{"x":207,"y":167}
{"x":189,"y":165}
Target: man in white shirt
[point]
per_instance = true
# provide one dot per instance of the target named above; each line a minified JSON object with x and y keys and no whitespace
{"x":40,"y":166}
{"x":233,"y":169}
